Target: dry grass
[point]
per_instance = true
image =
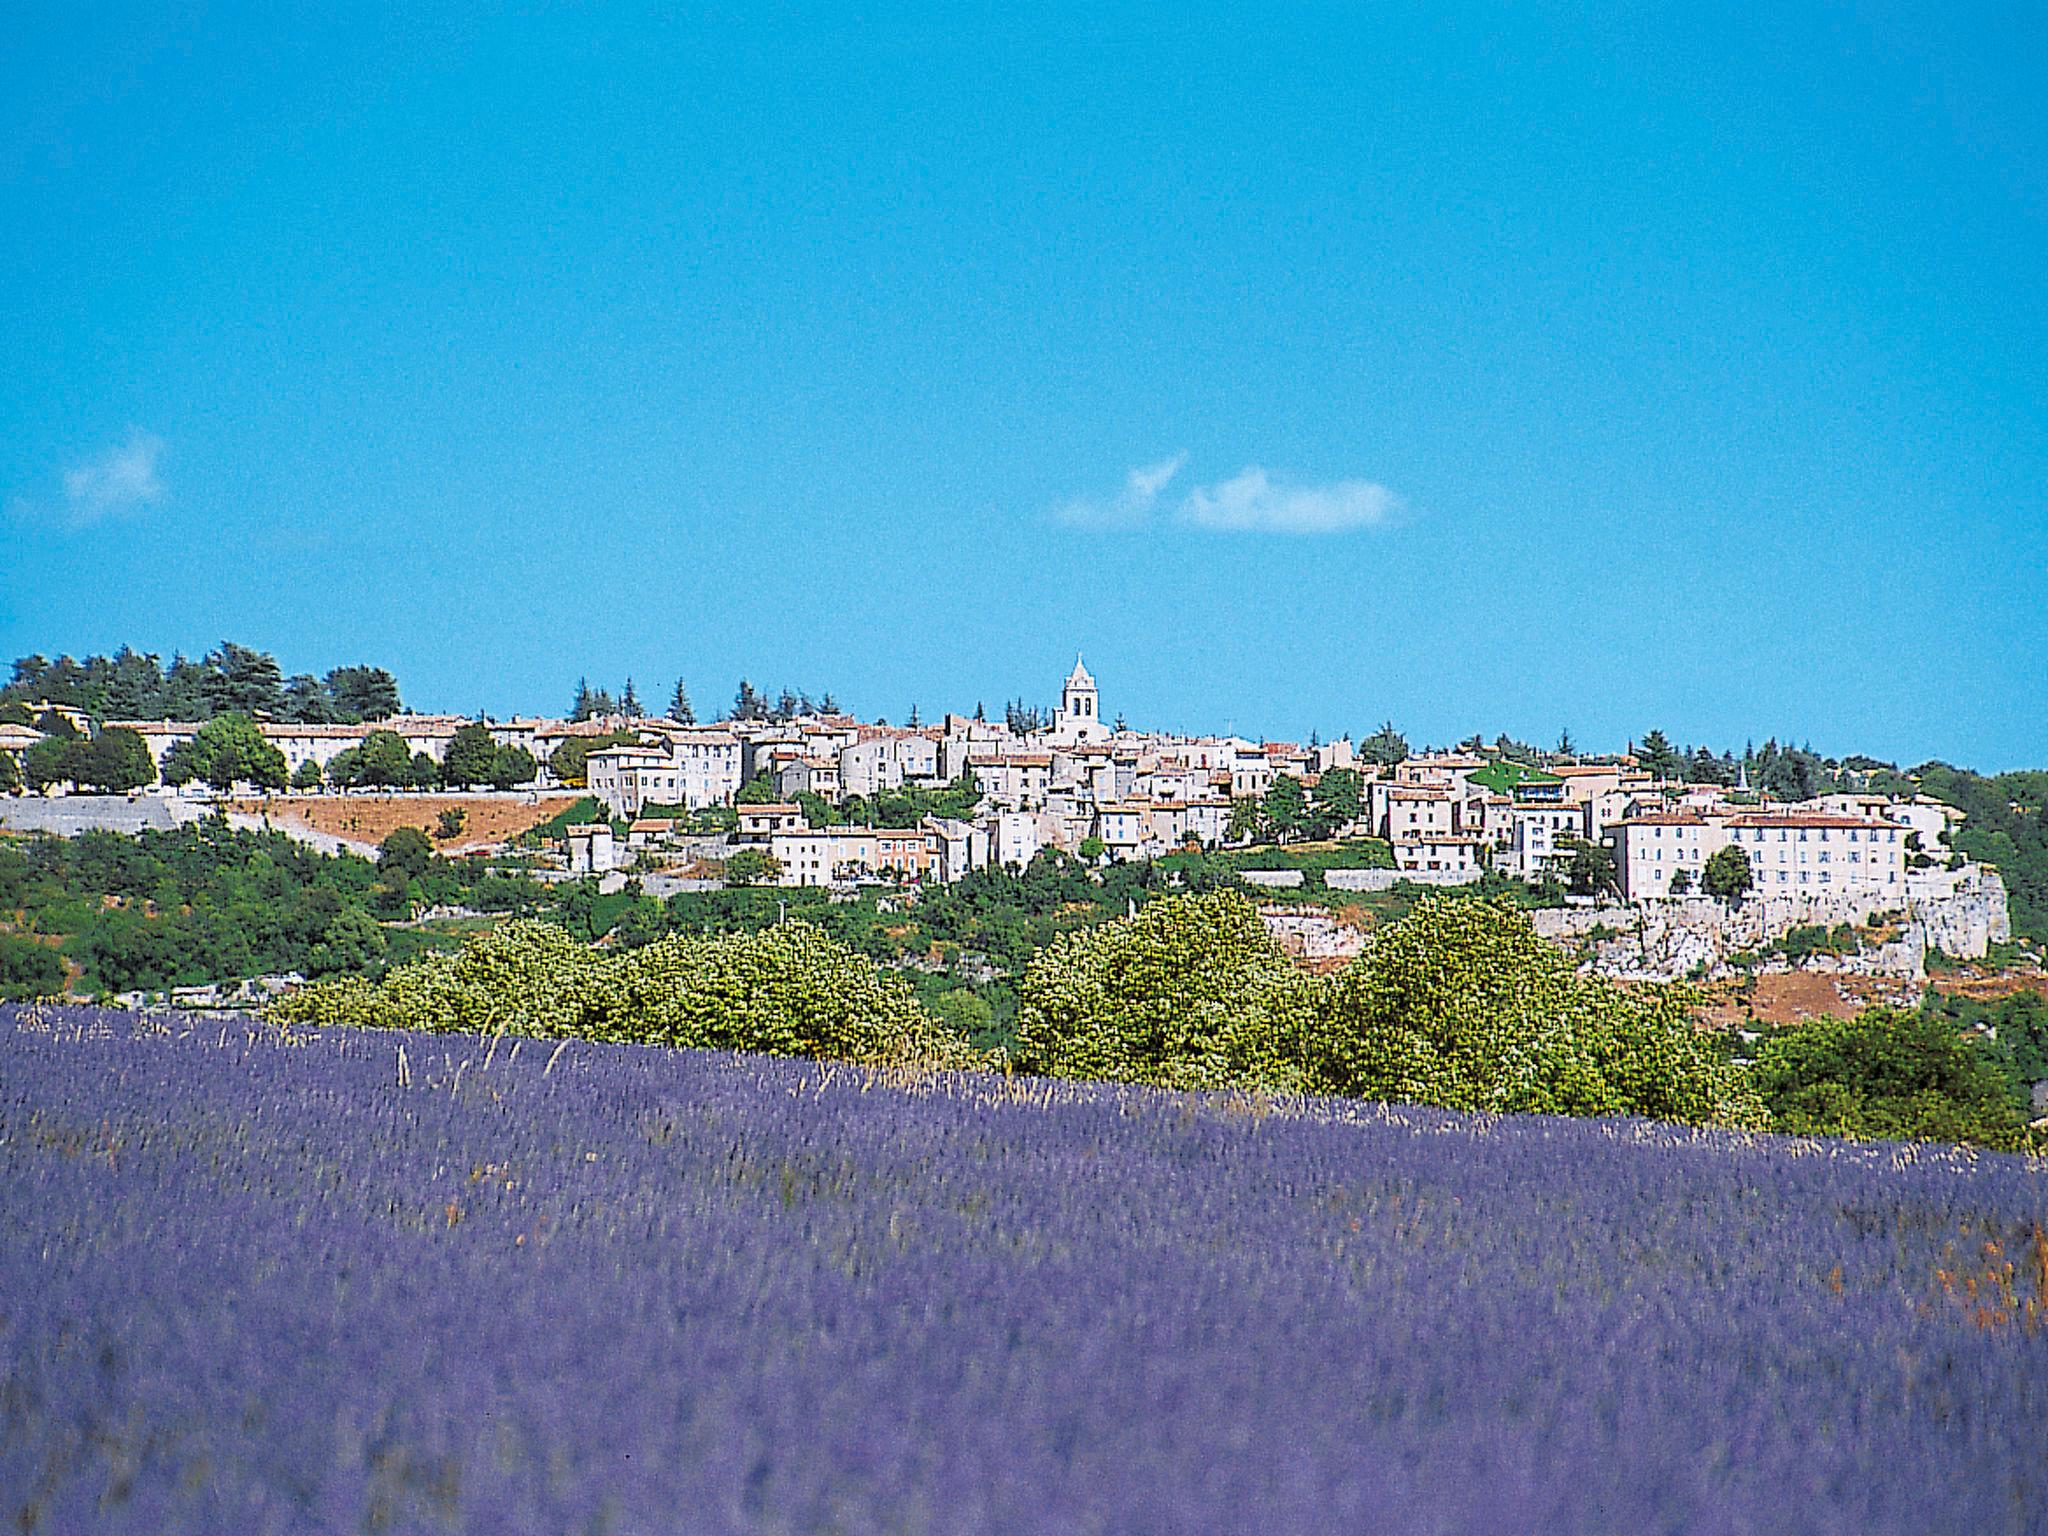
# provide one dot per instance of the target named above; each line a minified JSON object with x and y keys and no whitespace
{"x":487,"y":821}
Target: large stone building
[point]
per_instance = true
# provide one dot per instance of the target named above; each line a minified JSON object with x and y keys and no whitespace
{"x":1791,"y":852}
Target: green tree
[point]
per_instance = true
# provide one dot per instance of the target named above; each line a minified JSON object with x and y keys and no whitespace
{"x":1591,"y":871}
{"x":1190,"y":993}
{"x":1681,"y":882}
{"x":383,"y":761}
{"x":308,"y":776}
{"x":1092,"y":849}
{"x":423,"y":772}
{"x":407,"y":854}
{"x":472,"y":755}
{"x":1244,"y":819}
{"x":10,"y":774}
{"x":450,"y":822}
{"x":679,"y":706}
{"x":225,"y":751}
{"x":244,"y":682}
{"x":1658,"y":756}
{"x":513,"y":765}
{"x":1285,"y":808}
{"x":1340,"y":798}
{"x":353,"y":943}
{"x":1462,"y":1004}
{"x":116,"y":760}
{"x":759,"y":790}
{"x":571,"y":761}
{"x":1885,"y":1074}
{"x":29,"y":968}
{"x":750,"y":866}
{"x":629,"y":702}
{"x":53,"y":760}
{"x":1385,"y":746}
{"x":789,"y":989}
{"x":307,"y":701}
{"x":1726,"y":875}
{"x":363,"y":693}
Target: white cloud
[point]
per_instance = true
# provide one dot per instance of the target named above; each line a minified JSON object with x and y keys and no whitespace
{"x":1130,"y":506}
{"x":122,"y":479}
{"x":1250,"y":502}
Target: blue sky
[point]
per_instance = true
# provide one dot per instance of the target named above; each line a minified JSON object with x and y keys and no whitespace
{"x":1568,"y":366}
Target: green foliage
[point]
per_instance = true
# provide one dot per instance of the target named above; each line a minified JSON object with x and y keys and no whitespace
{"x":28,"y":968}
{"x":234,"y":679}
{"x":1189,"y":993}
{"x":2006,"y":823}
{"x":1283,"y":814}
{"x":450,"y":822}
{"x":472,"y":754}
{"x":1353,"y":853}
{"x":1886,"y":1074}
{"x":1385,"y":746}
{"x":225,"y":751}
{"x":582,"y":812}
{"x":1462,"y":1005}
{"x":571,"y":761}
{"x":1591,"y":871}
{"x":909,"y":805}
{"x":407,"y":854}
{"x":197,"y":904}
{"x":759,"y":790}
{"x":1339,"y":801}
{"x":49,"y":761}
{"x":2017,"y":1027}
{"x":788,"y":990}
{"x":750,"y":866}
{"x":115,"y":761}
{"x":1727,"y":876}
{"x":1245,"y":816}
{"x":10,"y":774}
{"x":1657,"y":756}
{"x":1681,"y":882}
{"x":513,"y":765}
{"x":309,"y":775}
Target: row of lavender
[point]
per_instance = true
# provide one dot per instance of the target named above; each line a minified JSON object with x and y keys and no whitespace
{"x":352,"y":1281}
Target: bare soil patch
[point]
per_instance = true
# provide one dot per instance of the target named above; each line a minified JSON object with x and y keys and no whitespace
{"x":487,"y":820}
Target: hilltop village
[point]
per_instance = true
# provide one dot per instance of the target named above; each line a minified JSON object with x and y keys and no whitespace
{"x":813,"y":797}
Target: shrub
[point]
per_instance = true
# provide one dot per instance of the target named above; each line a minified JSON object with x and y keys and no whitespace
{"x":788,"y":990}
{"x":1460,"y":1005}
{"x":1463,"y":1005}
{"x":1191,"y":992}
{"x":1886,"y":1074}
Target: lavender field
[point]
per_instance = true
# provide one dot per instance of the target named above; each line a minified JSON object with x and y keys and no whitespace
{"x":253,"y":1282}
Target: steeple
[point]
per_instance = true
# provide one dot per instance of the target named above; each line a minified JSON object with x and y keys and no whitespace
{"x":1077,"y":699}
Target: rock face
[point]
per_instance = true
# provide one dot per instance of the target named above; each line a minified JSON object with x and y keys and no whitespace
{"x":1961,"y":913}
{"x":1964,"y":921}
{"x":1312,"y":935}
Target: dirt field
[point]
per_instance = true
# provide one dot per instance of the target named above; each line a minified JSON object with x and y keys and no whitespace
{"x":487,"y":820}
{"x":1789,"y":997}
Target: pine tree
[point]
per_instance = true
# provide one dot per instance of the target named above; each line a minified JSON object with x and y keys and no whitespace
{"x":913,"y":717}
{"x":629,"y":702}
{"x":679,"y":705}
{"x":585,"y":704}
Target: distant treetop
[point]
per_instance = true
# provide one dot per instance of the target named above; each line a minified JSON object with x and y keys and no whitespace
{"x":230,"y":680}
